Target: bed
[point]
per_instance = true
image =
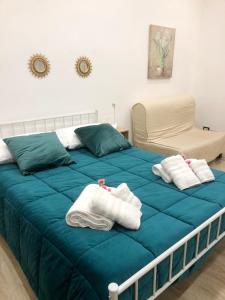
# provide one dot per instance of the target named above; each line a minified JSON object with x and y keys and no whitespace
{"x":61,"y":262}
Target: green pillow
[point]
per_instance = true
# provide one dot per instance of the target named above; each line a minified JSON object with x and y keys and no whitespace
{"x":38,"y":152}
{"x":102,"y":139}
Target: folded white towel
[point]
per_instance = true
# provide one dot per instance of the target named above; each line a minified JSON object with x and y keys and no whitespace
{"x":124,"y":193}
{"x":181,"y":174}
{"x":201,"y":170}
{"x":158,"y":170}
{"x":105,"y":204}
{"x":81,"y":214}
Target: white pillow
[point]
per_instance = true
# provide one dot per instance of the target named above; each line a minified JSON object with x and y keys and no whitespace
{"x":68,"y":137}
{"x":5,"y":154}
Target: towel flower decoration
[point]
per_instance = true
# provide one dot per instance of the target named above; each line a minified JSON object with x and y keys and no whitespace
{"x":101,"y":183}
{"x":188,"y":161}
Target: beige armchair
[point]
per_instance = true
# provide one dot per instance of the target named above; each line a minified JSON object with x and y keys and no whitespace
{"x":167,"y":126}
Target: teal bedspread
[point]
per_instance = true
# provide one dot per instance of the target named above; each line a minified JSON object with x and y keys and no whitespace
{"x":61,"y":262}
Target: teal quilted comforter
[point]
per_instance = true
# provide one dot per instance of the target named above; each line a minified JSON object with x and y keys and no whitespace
{"x":61,"y":262}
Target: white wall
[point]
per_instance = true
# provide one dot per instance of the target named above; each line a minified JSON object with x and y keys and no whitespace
{"x":209,"y":83}
{"x":113,"y":33}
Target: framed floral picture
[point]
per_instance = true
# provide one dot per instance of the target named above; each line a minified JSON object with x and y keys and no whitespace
{"x":161,"y":51}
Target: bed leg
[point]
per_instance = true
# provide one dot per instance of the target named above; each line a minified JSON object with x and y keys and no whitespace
{"x":113,"y":291}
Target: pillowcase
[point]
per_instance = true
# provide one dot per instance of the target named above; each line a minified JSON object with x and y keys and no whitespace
{"x":68,"y":137}
{"x":102,"y":139}
{"x":38,"y":152}
{"x":5,"y":155}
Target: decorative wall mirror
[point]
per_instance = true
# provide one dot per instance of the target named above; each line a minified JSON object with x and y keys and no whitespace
{"x":83,"y":66}
{"x":39,"y":65}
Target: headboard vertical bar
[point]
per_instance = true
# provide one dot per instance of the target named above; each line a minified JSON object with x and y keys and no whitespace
{"x":24,"y":127}
{"x":35,"y":125}
{"x":13,"y":129}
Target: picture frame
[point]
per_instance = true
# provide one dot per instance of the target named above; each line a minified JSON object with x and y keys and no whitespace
{"x":161,"y":52}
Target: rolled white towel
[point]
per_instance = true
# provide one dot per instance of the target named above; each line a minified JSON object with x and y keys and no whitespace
{"x":181,"y":174}
{"x":158,"y":170}
{"x":124,"y":193}
{"x":81,"y":215}
{"x":105,"y":204}
{"x":201,"y":170}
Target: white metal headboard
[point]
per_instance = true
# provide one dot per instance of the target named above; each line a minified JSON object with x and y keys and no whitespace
{"x":47,"y":124}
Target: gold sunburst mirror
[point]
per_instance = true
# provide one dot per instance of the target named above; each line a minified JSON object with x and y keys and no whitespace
{"x":39,"y":65}
{"x":83,"y":66}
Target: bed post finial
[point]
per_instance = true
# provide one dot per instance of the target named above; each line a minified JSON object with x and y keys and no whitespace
{"x":113,"y":291}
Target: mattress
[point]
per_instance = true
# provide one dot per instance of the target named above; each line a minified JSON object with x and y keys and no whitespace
{"x":62,"y":262}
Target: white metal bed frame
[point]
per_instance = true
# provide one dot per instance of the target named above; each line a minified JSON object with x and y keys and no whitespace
{"x":115,"y":290}
{"x":53,"y":123}
{"x":47,"y":124}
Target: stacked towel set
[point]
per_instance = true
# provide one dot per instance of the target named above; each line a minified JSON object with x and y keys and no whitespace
{"x":98,"y":207}
{"x":183,"y":173}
